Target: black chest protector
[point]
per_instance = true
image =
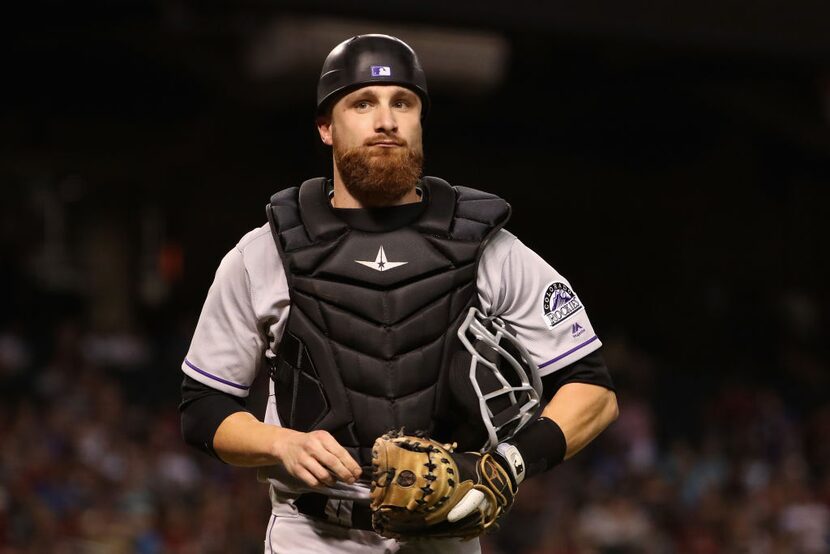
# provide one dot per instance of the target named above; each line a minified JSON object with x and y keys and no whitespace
{"x":373,"y":313}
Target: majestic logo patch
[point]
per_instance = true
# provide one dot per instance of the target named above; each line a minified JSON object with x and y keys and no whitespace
{"x":381,"y":263}
{"x":558,"y":304}
{"x":381,"y":71}
{"x":576,"y":330}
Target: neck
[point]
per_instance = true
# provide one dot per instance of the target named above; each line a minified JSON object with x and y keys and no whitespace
{"x":342,"y":198}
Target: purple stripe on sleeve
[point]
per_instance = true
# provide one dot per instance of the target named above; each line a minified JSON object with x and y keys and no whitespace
{"x":571,"y":351}
{"x":214,"y":377}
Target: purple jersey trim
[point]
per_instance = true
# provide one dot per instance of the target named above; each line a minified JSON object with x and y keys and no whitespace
{"x":571,"y":351}
{"x":214,"y":377}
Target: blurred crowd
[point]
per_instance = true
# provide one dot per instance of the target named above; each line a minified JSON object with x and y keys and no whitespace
{"x":752,"y":478}
{"x":92,"y":461}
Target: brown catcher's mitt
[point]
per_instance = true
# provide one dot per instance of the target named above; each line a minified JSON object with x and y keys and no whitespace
{"x":422,"y":489}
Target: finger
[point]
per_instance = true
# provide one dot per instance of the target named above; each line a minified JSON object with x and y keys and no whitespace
{"x":333,"y":464}
{"x":335,"y":448}
{"x":471,"y":501}
{"x":306,"y":477}
{"x":317,"y":470}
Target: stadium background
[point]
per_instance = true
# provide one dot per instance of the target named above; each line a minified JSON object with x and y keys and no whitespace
{"x":671,"y":160}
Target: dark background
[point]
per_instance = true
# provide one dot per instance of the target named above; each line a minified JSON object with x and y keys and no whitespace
{"x":671,"y":161}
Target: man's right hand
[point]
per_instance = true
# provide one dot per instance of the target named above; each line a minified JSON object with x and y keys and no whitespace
{"x":315,"y":458}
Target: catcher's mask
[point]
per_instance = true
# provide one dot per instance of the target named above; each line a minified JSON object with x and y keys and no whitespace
{"x":505,"y":382}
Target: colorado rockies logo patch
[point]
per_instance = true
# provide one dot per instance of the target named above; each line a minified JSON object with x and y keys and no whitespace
{"x":558,"y":304}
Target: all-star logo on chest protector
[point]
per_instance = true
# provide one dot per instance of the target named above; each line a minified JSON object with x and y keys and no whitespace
{"x":381,"y":263}
{"x":558,"y":304}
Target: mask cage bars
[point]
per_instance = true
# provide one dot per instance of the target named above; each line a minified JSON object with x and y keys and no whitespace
{"x":524,"y":397}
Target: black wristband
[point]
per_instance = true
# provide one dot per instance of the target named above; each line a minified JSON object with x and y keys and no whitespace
{"x":542,"y":446}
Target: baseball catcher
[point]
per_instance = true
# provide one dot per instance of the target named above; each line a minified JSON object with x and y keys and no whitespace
{"x":422,"y":361}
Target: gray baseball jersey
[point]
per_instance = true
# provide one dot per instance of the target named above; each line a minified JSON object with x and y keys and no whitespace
{"x":248,"y":304}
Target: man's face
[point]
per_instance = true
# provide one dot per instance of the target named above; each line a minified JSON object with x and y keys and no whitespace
{"x":375,"y":132}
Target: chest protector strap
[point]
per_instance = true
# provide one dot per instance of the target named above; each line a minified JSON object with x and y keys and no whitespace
{"x":371,"y":328}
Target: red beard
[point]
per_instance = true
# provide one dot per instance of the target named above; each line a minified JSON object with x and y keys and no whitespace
{"x":378,"y":176}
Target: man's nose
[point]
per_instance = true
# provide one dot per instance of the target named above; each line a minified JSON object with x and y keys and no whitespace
{"x":385,"y":120}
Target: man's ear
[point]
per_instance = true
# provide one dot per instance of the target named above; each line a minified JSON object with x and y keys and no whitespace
{"x":324,"y":128}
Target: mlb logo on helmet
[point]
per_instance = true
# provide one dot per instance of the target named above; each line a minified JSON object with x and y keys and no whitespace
{"x":381,"y":71}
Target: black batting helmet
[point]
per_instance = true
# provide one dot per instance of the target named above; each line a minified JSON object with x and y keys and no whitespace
{"x":368,"y":60}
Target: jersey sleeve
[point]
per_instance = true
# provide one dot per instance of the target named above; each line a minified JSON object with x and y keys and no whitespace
{"x":539,"y":304}
{"x":241,"y":319}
